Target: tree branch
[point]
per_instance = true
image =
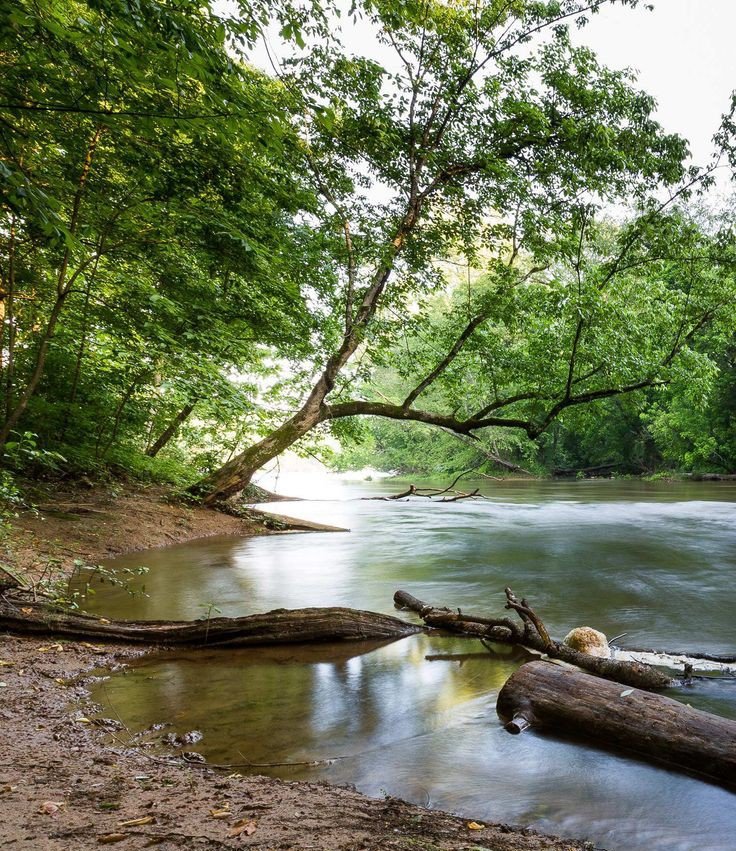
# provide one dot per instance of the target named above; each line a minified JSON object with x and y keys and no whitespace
{"x":447,"y":360}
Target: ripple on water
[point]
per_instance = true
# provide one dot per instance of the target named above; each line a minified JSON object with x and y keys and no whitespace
{"x":624,"y":559}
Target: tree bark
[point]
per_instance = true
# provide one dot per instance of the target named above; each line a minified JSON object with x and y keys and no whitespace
{"x":236,"y":474}
{"x":281,"y":626}
{"x":171,"y":429}
{"x":551,"y":697}
{"x":532,"y":633}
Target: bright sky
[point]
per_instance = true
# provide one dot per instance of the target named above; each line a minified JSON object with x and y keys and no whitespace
{"x":685,"y":56}
{"x":684,"y":53}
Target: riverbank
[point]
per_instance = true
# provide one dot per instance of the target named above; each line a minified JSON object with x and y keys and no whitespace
{"x":63,"y":784}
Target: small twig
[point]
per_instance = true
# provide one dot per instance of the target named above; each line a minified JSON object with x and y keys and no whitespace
{"x":248,"y":764}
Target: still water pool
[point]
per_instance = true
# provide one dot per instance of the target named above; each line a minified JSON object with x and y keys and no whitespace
{"x":416,"y":718}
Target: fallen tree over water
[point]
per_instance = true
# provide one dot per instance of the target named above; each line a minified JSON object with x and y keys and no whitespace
{"x":560,"y":699}
{"x":531,"y":633}
{"x":448,"y":494}
{"x":281,"y":626}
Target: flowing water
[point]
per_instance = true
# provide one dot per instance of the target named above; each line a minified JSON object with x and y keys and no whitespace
{"x":416,"y":718}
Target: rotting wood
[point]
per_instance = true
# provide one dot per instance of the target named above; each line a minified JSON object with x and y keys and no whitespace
{"x":560,"y":699}
{"x":281,"y":626}
{"x":533,"y":634}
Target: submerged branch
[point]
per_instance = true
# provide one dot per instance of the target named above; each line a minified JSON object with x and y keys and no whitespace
{"x":534,"y":635}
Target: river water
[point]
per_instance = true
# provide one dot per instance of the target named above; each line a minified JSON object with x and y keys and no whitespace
{"x":416,"y":718}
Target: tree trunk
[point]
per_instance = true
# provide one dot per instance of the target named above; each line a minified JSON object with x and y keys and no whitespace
{"x":13,"y":414}
{"x":551,"y":697}
{"x":126,"y":397}
{"x":171,"y":429}
{"x":236,"y":474}
{"x":533,"y":635}
{"x":281,"y":626}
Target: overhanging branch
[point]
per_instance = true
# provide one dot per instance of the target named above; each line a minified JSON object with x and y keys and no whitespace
{"x":399,"y":412}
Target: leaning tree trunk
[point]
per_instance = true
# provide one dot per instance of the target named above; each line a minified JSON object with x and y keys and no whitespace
{"x":548,"y":696}
{"x":236,"y":474}
{"x":281,"y":626}
{"x":171,"y":429}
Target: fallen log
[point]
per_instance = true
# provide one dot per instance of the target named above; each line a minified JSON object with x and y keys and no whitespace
{"x":552,"y":697}
{"x":281,"y":626}
{"x":559,"y":472}
{"x":721,"y":658}
{"x":712,"y":477}
{"x":432,"y":493}
{"x":532,"y":633}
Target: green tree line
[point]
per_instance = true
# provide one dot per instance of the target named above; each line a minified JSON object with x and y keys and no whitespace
{"x":203,"y":264}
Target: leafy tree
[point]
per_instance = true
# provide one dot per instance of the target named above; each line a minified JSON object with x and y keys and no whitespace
{"x":598,"y":327}
{"x":149,"y":203}
{"x":488,"y":134}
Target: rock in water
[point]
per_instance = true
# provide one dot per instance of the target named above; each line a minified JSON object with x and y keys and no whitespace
{"x":588,"y":640}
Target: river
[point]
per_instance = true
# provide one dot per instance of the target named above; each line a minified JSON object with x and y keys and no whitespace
{"x":416,"y":718}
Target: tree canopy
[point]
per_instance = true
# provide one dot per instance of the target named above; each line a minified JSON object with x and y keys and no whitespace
{"x":194,"y":250}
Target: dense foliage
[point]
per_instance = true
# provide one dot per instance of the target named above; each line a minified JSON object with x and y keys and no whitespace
{"x":195,"y":254}
{"x":153,"y":247}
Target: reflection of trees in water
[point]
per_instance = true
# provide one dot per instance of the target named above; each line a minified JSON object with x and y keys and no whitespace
{"x":285,"y":704}
{"x":181,"y":582}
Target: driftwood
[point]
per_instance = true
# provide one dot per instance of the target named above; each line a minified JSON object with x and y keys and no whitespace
{"x":574,"y":471}
{"x":721,"y":658}
{"x":560,"y":699}
{"x":281,"y":626}
{"x":448,"y":494}
{"x":712,"y":477}
{"x":531,"y":633}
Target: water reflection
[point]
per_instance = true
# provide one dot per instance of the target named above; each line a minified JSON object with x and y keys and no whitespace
{"x":655,"y":561}
{"x":415,"y":718}
{"x":584,"y":552}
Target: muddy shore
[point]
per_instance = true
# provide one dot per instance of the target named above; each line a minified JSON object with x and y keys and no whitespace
{"x":70,"y":779}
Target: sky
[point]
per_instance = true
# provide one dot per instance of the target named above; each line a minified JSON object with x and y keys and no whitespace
{"x":685,"y":55}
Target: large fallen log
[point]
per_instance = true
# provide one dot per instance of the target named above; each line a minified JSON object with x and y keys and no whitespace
{"x":280,"y":626}
{"x":556,"y":698}
{"x":532,"y":633}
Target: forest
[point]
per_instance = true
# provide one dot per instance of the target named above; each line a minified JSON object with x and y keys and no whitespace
{"x":474,"y":242}
{"x":442,"y":239}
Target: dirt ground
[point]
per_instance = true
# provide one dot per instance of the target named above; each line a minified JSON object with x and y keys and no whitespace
{"x":63,"y":787}
{"x":98,"y":523}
